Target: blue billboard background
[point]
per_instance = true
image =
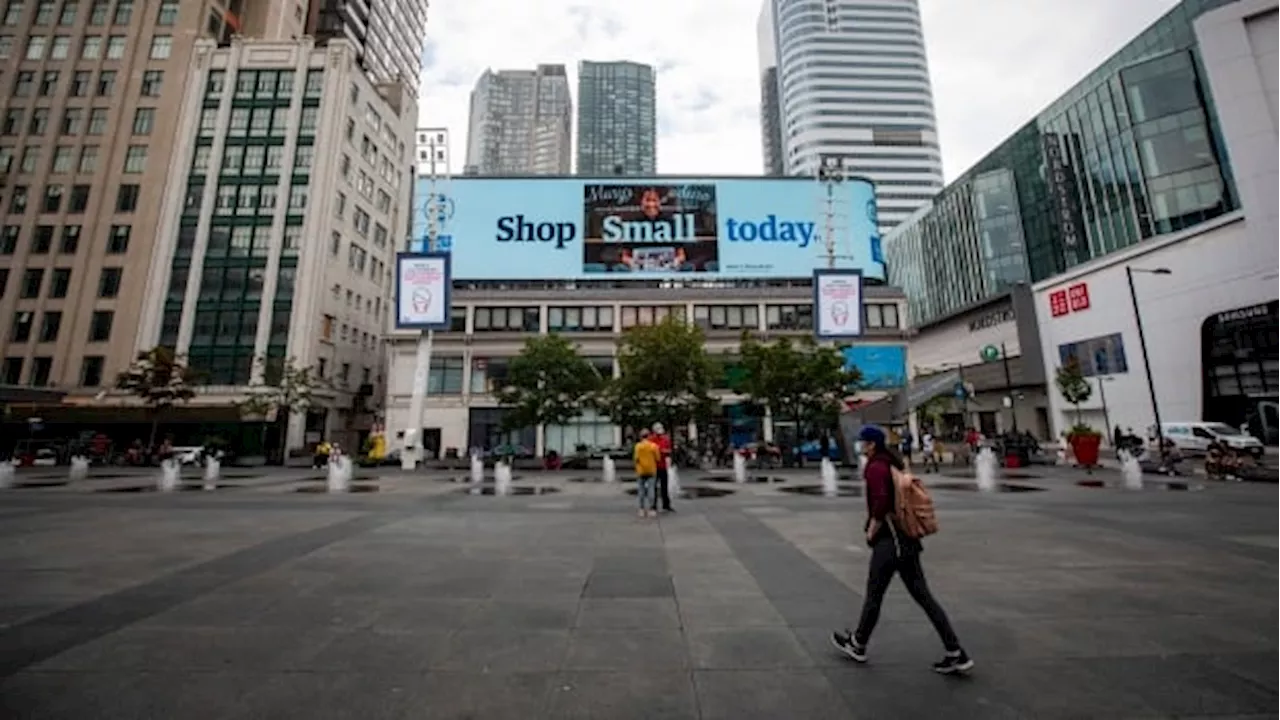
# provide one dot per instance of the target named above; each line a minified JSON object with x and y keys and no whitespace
{"x":557,"y":228}
{"x":883,"y":367}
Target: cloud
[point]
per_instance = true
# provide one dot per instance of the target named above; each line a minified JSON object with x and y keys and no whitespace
{"x":708,"y":72}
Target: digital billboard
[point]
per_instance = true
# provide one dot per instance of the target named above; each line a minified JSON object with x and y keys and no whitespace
{"x":603,"y":228}
{"x":883,"y":367}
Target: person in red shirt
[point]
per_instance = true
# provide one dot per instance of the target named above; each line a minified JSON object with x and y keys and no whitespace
{"x":892,"y":553}
{"x":663,"y":441}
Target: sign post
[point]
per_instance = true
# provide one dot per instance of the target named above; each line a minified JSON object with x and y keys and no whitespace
{"x":991,"y":353}
{"x":423,"y":285}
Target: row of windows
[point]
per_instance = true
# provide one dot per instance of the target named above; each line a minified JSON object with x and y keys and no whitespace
{"x":15,"y":121}
{"x":708,"y":317}
{"x":93,"y":47}
{"x":77,"y":199}
{"x":42,"y":367}
{"x":60,"y":282}
{"x":51,"y":323}
{"x":47,"y":11}
{"x":68,"y":239}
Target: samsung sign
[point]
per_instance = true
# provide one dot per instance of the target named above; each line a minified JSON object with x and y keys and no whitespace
{"x":564,"y":229}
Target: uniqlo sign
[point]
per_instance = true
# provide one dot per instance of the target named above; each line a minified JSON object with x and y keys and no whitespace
{"x":1073,"y":299}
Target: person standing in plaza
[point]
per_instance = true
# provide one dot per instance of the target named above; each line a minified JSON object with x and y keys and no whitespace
{"x":893,"y":552}
{"x":663,"y":441}
{"x":646,"y":457}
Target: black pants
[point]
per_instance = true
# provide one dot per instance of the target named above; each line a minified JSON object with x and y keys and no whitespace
{"x":885,"y":561}
{"x":664,"y":492}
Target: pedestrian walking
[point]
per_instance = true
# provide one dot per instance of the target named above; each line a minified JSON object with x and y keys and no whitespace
{"x":929,"y":451}
{"x":893,"y":551}
{"x":646,"y":456}
{"x":663,"y":441}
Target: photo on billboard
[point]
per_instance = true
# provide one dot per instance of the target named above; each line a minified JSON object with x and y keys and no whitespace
{"x":423,"y":288}
{"x":649,"y":229}
{"x":837,"y":303}
{"x":568,"y":228}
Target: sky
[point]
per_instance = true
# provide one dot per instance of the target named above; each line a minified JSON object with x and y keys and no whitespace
{"x":994,"y":64}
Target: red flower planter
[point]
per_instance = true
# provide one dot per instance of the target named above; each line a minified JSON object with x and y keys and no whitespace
{"x":1085,"y":448}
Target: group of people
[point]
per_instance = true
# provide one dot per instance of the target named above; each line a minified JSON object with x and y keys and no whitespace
{"x":652,"y":458}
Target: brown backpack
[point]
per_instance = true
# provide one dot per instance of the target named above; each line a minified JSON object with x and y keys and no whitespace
{"x":914,"y":507}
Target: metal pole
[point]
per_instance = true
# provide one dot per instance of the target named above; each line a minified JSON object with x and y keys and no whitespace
{"x":1146,"y":366}
{"x":1008,"y":385}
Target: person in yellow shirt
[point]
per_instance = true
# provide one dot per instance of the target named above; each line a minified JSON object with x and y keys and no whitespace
{"x":647,"y":457}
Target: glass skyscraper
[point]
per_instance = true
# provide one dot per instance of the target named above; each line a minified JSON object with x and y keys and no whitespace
{"x":1130,"y":152}
{"x":617,"y":119}
{"x":852,"y":80}
{"x":521,"y":123}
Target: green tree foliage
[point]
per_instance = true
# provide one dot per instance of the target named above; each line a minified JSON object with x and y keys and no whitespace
{"x":548,"y":383}
{"x":160,"y":378}
{"x":666,"y":376}
{"x":804,"y":383}
{"x":280,"y":390}
{"x":1073,"y":385}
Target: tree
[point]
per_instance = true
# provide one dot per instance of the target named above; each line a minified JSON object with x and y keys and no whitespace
{"x":1073,"y":385}
{"x":666,"y":376}
{"x":805,"y":384}
{"x":281,"y":389}
{"x":548,"y":383}
{"x":160,"y":378}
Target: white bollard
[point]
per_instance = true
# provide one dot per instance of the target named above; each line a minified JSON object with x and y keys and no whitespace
{"x":673,"y":481}
{"x":610,"y":469}
{"x":79,"y":468}
{"x":169,"y":475}
{"x":212,"y":467}
{"x":7,"y":471}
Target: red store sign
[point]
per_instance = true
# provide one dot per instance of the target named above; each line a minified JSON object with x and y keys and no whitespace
{"x":1073,"y":299}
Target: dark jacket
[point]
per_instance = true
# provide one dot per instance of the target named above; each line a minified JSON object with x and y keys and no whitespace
{"x":882,"y":501}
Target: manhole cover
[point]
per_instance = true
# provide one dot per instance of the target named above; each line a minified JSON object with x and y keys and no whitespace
{"x":973,"y":487}
{"x":843,"y":490}
{"x":518,"y":490}
{"x":693,"y":493}
{"x":324,"y":489}
{"x":749,"y":480}
{"x":37,"y":484}
{"x":1174,"y":486}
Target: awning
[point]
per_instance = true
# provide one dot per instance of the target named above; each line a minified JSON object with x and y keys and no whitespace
{"x":922,"y":390}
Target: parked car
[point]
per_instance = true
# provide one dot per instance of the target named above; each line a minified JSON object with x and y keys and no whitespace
{"x":1193,"y":438}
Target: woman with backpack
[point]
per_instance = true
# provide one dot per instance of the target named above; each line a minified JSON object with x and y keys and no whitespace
{"x":895,"y":550}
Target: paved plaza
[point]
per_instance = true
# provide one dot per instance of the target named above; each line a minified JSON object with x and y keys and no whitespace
{"x":419,"y":600}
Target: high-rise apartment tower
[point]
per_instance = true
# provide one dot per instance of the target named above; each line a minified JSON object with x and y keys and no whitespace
{"x":853,"y":80}
{"x":521,"y":123}
{"x":388,"y":34}
{"x":617,"y":119}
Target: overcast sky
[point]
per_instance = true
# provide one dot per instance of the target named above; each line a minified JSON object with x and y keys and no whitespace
{"x":994,"y":63}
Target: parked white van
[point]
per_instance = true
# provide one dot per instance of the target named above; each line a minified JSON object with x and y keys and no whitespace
{"x":1193,"y":438}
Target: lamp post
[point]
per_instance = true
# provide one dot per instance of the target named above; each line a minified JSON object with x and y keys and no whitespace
{"x":1129,"y":272}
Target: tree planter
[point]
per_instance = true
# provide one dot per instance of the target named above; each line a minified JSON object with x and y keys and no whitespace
{"x":1085,"y":447}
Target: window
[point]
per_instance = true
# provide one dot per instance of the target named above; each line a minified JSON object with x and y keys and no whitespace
{"x":239,"y":121}
{"x":32,"y":279}
{"x":39,"y":121}
{"x":445,"y":376}
{"x":118,"y":239}
{"x":21,"y":329}
{"x":18,"y":199}
{"x":135,"y":158}
{"x":649,"y":314}
{"x":91,"y":371}
{"x":12,"y":121}
{"x":6,"y":47}
{"x":63,"y":159}
{"x":254,"y":158}
{"x":789,"y":317}
{"x":4,"y":281}
{"x":304,"y":157}
{"x":36,"y":47}
{"x":52,"y":199}
{"x":79,"y":86}
{"x":143,"y":120}
{"x":506,"y":319}
{"x":115,"y":47}
{"x":151,"y":82}
{"x":71,"y":118}
{"x":124,"y":12}
{"x":726,"y":317}
{"x":97,"y":121}
{"x":11,"y":369}
{"x":61,"y":48}
{"x":48,"y":83}
{"x":315,"y":84}
{"x":216,"y":83}
{"x":109,"y":282}
{"x":98,"y":15}
{"x":335,"y":241}
{"x":6,"y":159}
{"x":59,"y":282}
{"x":200,"y":159}
{"x":40,"y":369}
{"x":80,"y":195}
{"x":260,"y":122}
{"x":44,"y":12}
{"x":68,"y":14}
{"x":297,"y":197}
{"x":88,"y":159}
{"x":106,"y":83}
{"x":310,"y":118}
{"x":127,"y":199}
{"x":580,"y":319}
{"x":92,"y":48}
{"x":9,"y":239}
{"x":100,"y":326}
{"x":30,"y":158}
{"x":42,"y":240}
{"x":70,"y":242}
{"x":50,"y":324}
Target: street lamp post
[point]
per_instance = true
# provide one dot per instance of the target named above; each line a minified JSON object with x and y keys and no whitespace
{"x":1146,"y":358}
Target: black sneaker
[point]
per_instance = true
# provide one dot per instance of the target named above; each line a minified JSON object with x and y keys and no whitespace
{"x":845,"y":643}
{"x":954,"y":663}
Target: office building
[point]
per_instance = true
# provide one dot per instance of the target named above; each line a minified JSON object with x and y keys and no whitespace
{"x":521,"y":123}
{"x":771,"y":145}
{"x":389,"y":35}
{"x":278,"y":239}
{"x":1164,"y":157}
{"x":85,"y":140}
{"x":617,"y":119}
{"x":853,"y":81}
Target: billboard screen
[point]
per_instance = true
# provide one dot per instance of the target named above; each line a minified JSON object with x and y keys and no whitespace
{"x":422,"y":291}
{"x":602,"y":228}
{"x":883,"y":367}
